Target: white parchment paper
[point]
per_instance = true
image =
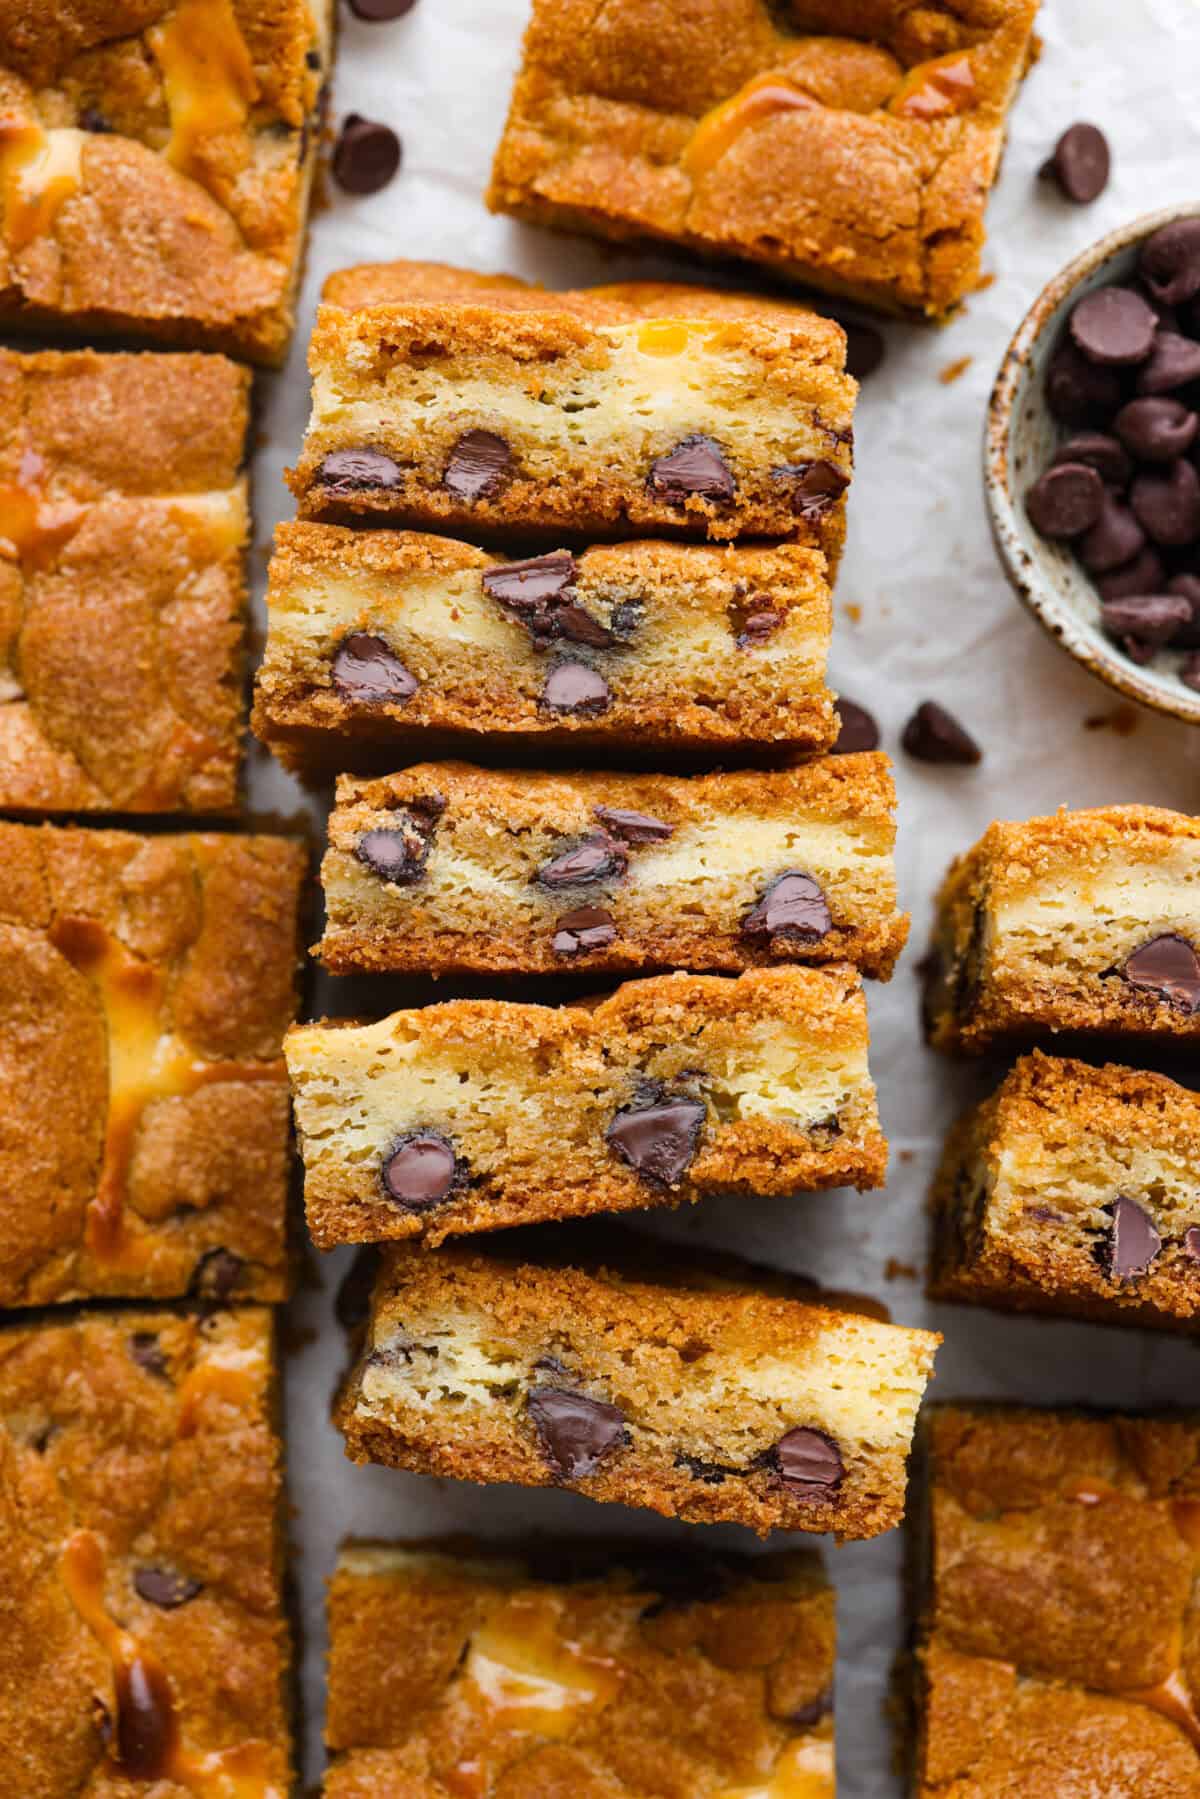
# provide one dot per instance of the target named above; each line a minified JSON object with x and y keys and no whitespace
{"x":922,"y":611}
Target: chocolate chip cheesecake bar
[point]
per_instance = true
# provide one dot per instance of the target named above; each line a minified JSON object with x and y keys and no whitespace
{"x":144,"y":1135}
{"x":850,"y":147}
{"x":1056,"y":1639}
{"x":484,"y":420}
{"x":475,"y":1114}
{"x":1073,"y":1189}
{"x":123,"y":524}
{"x":155,"y":167}
{"x":145,"y":1644}
{"x":447,"y":867}
{"x":707,"y":1398}
{"x":382,"y":640}
{"x":1083,"y":922}
{"x":577,"y":1668}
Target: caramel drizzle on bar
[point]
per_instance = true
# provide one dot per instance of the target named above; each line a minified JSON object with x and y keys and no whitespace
{"x":209,"y":81}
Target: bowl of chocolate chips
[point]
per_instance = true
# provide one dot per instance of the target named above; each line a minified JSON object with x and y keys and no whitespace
{"x":1092,"y":460}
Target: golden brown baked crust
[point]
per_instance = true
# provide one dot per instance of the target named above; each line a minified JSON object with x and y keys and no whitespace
{"x":663,"y":1671}
{"x":1059,"y":1642}
{"x":1043,"y":926}
{"x":141,"y":1558}
{"x":770,"y":1070}
{"x":123,"y":523}
{"x":478,"y":672}
{"x":859,"y":163}
{"x":583,"y":420}
{"x":1072,"y":1190}
{"x":155,"y":166}
{"x":144,"y":1139}
{"x":531,"y":1358}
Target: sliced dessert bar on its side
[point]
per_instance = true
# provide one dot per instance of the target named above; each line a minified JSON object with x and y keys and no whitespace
{"x":144,"y":1140}
{"x":1083,"y":922}
{"x":475,"y":1114}
{"x":705,"y":1398}
{"x":385,"y":641}
{"x":562,"y":1667}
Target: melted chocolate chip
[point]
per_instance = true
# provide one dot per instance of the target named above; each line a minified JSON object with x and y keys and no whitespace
{"x":934,"y":735}
{"x":588,"y":928}
{"x":659,"y":1141}
{"x":165,"y":1588}
{"x":634,"y":827}
{"x":92,"y":119}
{"x":358,"y":471}
{"x":575,"y":1432}
{"x":479,"y":467}
{"x":366,"y":155}
{"x":352,"y":1305}
{"x":574,"y":687}
{"x":817,"y":486}
{"x":380,"y":12}
{"x":147,"y":1352}
{"x":1169,"y":967}
{"x":694,"y":467}
{"x":398,"y":853}
{"x":758,"y":627}
{"x":1133,"y":1242}
{"x":710,"y":1474}
{"x":216,"y":1276}
{"x":808,"y":1463}
{"x":420,"y":1170}
{"x":366,"y":669}
{"x":540,"y":594}
{"x":857,"y":729}
{"x":793,"y":905}
{"x":598,"y":858}
{"x":147,"y":1730}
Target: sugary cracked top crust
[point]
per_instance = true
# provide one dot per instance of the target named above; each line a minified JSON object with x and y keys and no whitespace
{"x":140,"y":1485}
{"x":1062,"y":1640}
{"x":850,"y":142}
{"x":123,"y":518}
{"x":155,"y":160}
{"x":148,"y":983}
{"x":668,"y":1674}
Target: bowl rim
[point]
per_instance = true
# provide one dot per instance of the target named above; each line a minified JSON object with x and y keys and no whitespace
{"x":1033,"y":587}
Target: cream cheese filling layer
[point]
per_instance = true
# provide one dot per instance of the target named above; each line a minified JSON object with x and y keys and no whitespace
{"x":1080,"y":1177}
{"x":1130,"y":899}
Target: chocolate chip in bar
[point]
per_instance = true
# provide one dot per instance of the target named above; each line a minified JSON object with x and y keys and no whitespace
{"x":695,"y":469}
{"x":575,"y":1432}
{"x":816,"y":486}
{"x":367,"y":670}
{"x":147,"y":1352}
{"x":1191,"y":1242}
{"x":366,"y":155}
{"x":1169,"y":967}
{"x":808,"y":1463}
{"x":758,"y":627}
{"x":1169,"y":263}
{"x":857,"y":730}
{"x":1132,"y":1243}
{"x":1173,"y":362}
{"x":634,"y":827}
{"x":420,"y":1169}
{"x":1167,"y":504}
{"x":1080,"y":164}
{"x":1065,"y":501}
{"x":1114,"y":326}
{"x":478,"y":468}
{"x":658,"y":1141}
{"x":598,"y":858}
{"x":587,"y":928}
{"x":934,"y":735}
{"x":358,"y":471}
{"x":793,"y":905}
{"x":397,"y":854}
{"x":165,"y":1588}
{"x":1157,"y":428}
{"x":216,"y":1276}
{"x":575,"y":687}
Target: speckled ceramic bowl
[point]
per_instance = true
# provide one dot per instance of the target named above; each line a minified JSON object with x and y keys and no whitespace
{"x":1019,"y":440}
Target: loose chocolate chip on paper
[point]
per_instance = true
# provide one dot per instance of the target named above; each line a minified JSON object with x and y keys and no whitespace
{"x":574,"y":687}
{"x":1065,"y":501}
{"x":147,"y":1352}
{"x":865,"y":348}
{"x":1157,"y":428}
{"x":857,"y":729}
{"x":1079,"y":392}
{"x":1114,"y":539}
{"x":380,"y":12}
{"x":695,"y":468}
{"x":793,"y":905}
{"x":1168,"y":966}
{"x":598,"y":858}
{"x":1098,"y":450}
{"x":816,"y":486}
{"x":366,"y":155}
{"x":575,"y":1432}
{"x":397,"y":855}
{"x":165,"y":1588}
{"x":808,"y":1463}
{"x":478,"y":468}
{"x":368,"y":670}
{"x":216,"y":1276}
{"x":1132,"y":1243}
{"x":358,"y":471}
{"x":587,"y":928}
{"x":658,"y":1141}
{"x":934,"y":735}
{"x":1168,"y":504}
{"x":1080,"y":163}
{"x":634,"y":827}
{"x":1173,"y":362}
{"x":1114,"y":326}
{"x":419,"y":1170}
{"x":1169,"y":263}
